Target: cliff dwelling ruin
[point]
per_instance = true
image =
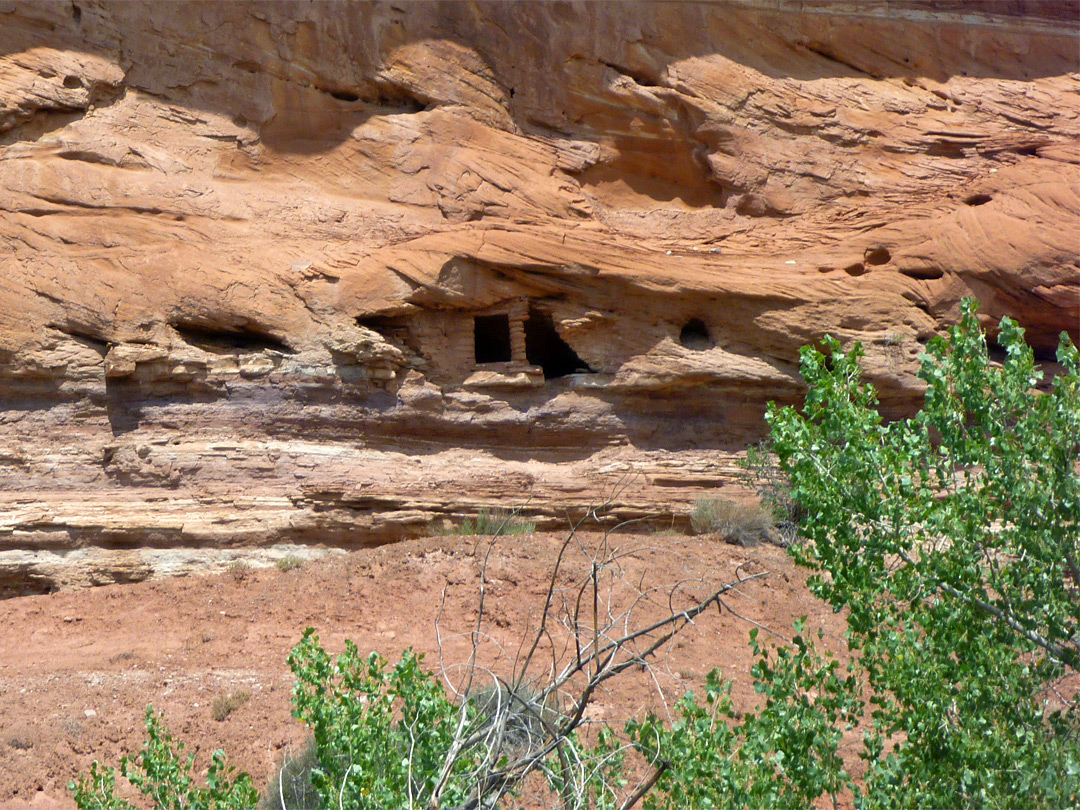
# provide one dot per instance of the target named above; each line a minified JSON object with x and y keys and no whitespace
{"x":321,"y":283}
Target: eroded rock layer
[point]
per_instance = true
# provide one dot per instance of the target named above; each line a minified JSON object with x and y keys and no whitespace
{"x":321,"y":273}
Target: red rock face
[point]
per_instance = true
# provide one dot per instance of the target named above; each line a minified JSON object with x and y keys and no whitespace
{"x":531,"y":230}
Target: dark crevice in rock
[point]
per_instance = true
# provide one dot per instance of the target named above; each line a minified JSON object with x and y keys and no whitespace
{"x":823,"y":51}
{"x":946,"y":149}
{"x":228,"y":340}
{"x":120,"y":408}
{"x":977,"y":199}
{"x":51,"y":298}
{"x":394,"y":329}
{"x":919,"y":303}
{"x":923,"y":273}
{"x":135,"y":209}
{"x":84,"y":337}
{"x":389,"y":96}
{"x":638,"y":76}
{"x":85,"y":157}
{"x":25,"y":583}
{"x":38,"y":212}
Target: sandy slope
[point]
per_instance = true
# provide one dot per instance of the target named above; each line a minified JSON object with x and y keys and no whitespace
{"x":77,"y":669}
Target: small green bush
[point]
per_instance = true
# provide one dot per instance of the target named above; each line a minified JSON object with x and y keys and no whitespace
{"x":289,"y":563}
{"x":494,"y":522}
{"x":742,"y":523}
{"x":761,"y":471}
{"x":239,"y":570}
{"x":163,"y":773}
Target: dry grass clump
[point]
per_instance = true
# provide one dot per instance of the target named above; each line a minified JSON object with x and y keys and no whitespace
{"x":20,"y":742}
{"x":291,"y":786}
{"x":227,"y":704}
{"x":514,"y":718}
{"x":747,"y":524}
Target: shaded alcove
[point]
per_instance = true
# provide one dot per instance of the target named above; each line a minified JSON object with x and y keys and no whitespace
{"x":877,"y":256}
{"x":492,"y":338}
{"x":544,"y":347}
{"x":229,"y":339}
{"x":695,"y":335}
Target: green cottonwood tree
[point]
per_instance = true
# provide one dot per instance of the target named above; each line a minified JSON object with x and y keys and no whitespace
{"x":952,"y":541}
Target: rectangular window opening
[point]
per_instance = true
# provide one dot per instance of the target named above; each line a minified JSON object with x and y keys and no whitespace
{"x":492,"y":336}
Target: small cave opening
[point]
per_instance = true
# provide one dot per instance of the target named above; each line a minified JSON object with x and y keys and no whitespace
{"x":977,"y":199}
{"x":876,"y":256}
{"x":946,"y":149}
{"x":695,"y":335}
{"x":545,"y":347}
{"x":923,"y":273}
{"x":492,"y":338}
{"x":218,"y":340}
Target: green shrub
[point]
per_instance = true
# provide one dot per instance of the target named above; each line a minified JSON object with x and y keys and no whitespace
{"x":742,"y":523}
{"x":289,"y":563}
{"x":20,"y":742}
{"x":496,"y":522}
{"x":366,"y":719}
{"x":163,"y":774}
{"x":239,"y":570}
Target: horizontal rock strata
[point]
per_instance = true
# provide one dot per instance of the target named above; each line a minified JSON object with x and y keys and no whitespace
{"x":264,"y":266}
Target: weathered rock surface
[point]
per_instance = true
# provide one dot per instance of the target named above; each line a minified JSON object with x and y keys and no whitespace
{"x":264,"y":266}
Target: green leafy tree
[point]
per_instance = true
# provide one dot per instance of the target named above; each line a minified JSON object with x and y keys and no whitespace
{"x":952,"y":541}
{"x":783,"y":756}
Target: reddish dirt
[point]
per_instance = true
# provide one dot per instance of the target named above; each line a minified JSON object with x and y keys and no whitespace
{"x":78,"y":669}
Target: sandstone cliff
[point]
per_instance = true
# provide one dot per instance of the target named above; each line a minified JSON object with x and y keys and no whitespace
{"x":319,"y":273}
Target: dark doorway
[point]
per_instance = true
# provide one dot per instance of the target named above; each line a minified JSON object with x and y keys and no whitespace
{"x":545,"y":348}
{"x":695,"y":335}
{"x":492,"y":335}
